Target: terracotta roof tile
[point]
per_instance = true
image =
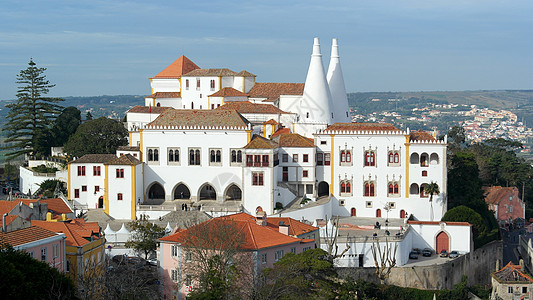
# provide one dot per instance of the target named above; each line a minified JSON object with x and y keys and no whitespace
{"x":126,"y":159}
{"x":7,"y":206}
{"x":292,"y":140}
{"x":146,"y":109}
{"x":295,"y":227}
{"x":255,"y":236}
{"x":511,"y":274}
{"x":209,"y":118}
{"x":280,"y":131}
{"x":229,"y":92}
{"x":26,"y":235}
{"x":247,"y":107}
{"x":9,"y":219}
{"x":421,"y":135}
{"x":77,"y":231}
{"x":95,"y":159}
{"x":271,"y":91}
{"x":55,"y":205}
{"x":270,"y":122}
{"x":210,"y":72}
{"x":259,"y":142}
{"x":165,"y":95}
{"x":176,"y":69}
{"x":360,"y":127}
{"x":494,"y":194}
{"x":245,"y":73}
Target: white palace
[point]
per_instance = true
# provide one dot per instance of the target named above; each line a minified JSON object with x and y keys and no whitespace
{"x":218,"y":140}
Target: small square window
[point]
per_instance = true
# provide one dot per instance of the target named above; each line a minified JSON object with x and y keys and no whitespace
{"x":341,"y":202}
{"x":323,"y":142}
{"x":305,"y":173}
{"x":306,"y":157}
{"x":84,"y":188}
{"x":119,"y":196}
{"x":392,"y":205}
{"x":368,"y":204}
{"x":285,"y":157}
{"x":295,"y":158}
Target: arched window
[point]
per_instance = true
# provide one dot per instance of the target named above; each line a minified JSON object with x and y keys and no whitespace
{"x":396,"y":158}
{"x":212,"y":155}
{"x":156,"y":155}
{"x":192,"y":105}
{"x":371,"y":189}
{"x":343,"y":187}
{"x":367,"y":189}
{"x":348,"y":156}
{"x":197,"y":157}
{"x":176,"y":155}
{"x":170,"y":155}
{"x":391,"y":188}
{"x":353,"y":212}
{"x":370,"y":158}
{"x":396,"y":189}
{"x":158,"y":104}
{"x":378,"y":213}
{"x":348,"y":187}
{"x":150,"y":155}
{"x":239,"y":156}
{"x":233,"y":156}
{"x":307,"y":115}
{"x":343,"y":156}
{"x":391,"y":158}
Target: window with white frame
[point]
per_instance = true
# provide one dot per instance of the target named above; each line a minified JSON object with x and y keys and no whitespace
{"x":173,"y":156}
{"x":197,"y":84}
{"x":393,"y":189}
{"x":264,"y":258}
{"x":393,"y":158}
{"x":174,"y":275}
{"x":188,"y":256}
{"x":194,"y":156}
{"x":370,"y":158}
{"x":174,"y":251}
{"x":43,"y":254}
{"x":346,"y":187}
{"x":152,"y":155}
{"x":278,"y":255}
{"x":55,"y":250}
{"x":369,"y":188}
{"x":257,"y":178}
{"x":235,"y":156}
{"x":212,"y":84}
{"x":215,"y":157}
{"x":345,"y":158}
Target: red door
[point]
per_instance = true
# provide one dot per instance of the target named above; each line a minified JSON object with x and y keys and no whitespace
{"x":402,"y":213}
{"x":443,"y":242}
{"x":378,"y":213}
{"x":353,"y":211}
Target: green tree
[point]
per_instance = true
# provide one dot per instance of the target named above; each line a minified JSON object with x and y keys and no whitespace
{"x":49,"y":186}
{"x":144,"y":237}
{"x":88,"y":116}
{"x":31,"y":113}
{"x":464,"y":184}
{"x":432,"y":189}
{"x":466,"y":214}
{"x":306,"y":275}
{"x":99,"y":136}
{"x":65,"y":125}
{"x":26,"y":278}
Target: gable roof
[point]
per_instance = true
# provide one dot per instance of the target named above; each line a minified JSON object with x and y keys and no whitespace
{"x":270,"y":122}
{"x":292,"y":140}
{"x":494,"y":194}
{"x":247,"y":107}
{"x":259,"y":142}
{"x":511,"y":274}
{"x":280,"y":131}
{"x":176,"y":69}
{"x":228,"y":92}
{"x":94,"y":158}
{"x":245,"y":73}
{"x":295,"y":227}
{"x":77,"y":231}
{"x":26,"y":235}
{"x":351,"y":127}
{"x":255,"y":236}
{"x":210,"y":72}
{"x":165,"y":95}
{"x":272,"y":90}
{"x":200,"y":118}
{"x":126,"y":159}
{"x":146,"y":109}
{"x":421,"y":135}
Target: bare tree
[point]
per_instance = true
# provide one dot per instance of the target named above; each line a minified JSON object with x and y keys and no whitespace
{"x":215,"y":258}
{"x":384,"y":259}
{"x":331,"y":240}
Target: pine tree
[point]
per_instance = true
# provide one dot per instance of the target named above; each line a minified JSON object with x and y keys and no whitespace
{"x":31,"y":114}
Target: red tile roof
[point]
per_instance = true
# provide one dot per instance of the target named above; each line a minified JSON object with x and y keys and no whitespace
{"x":247,"y":107}
{"x":56,"y":205}
{"x":126,"y":159}
{"x":295,"y":227}
{"x":26,"y":235}
{"x":146,"y":109}
{"x":421,"y":135}
{"x":9,"y":219}
{"x":176,"y":69}
{"x":245,"y":73}
{"x":292,"y":140}
{"x":229,"y":92}
{"x":271,"y":91}
{"x":210,"y":72}
{"x":494,"y":194}
{"x":259,"y":142}
{"x":165,"y":95}
{"x":205,"y":118}
{"x":94,"y":158}
{"x":7,"y":206}
{"x":511,"y":274}
{"x":350,"y":127}
{"x":280,"y":131}
{"x":270,"y":122}
{"x":77,"y":231}
{"x":255,"y":236}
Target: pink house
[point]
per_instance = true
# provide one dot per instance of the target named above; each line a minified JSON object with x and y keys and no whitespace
{"x":41,"y":244}
{"x":264,"y":243}
{"x":505,"y":203}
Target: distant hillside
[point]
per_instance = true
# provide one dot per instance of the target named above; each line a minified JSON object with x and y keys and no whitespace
{"x":518,"y":101}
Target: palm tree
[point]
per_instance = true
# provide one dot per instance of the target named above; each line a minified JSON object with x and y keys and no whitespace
{"x":431,"y":189}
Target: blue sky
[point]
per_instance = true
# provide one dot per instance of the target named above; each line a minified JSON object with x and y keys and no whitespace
{"x":112,"y":47}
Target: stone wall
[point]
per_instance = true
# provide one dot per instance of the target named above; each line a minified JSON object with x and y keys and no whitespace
{"x":476,"y":265}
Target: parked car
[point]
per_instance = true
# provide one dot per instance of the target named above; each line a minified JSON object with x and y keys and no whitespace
{"x":413,"y":255}
{"x":443,"y":253}
{"x":427,"y":252}
{"x":453,"y":254}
